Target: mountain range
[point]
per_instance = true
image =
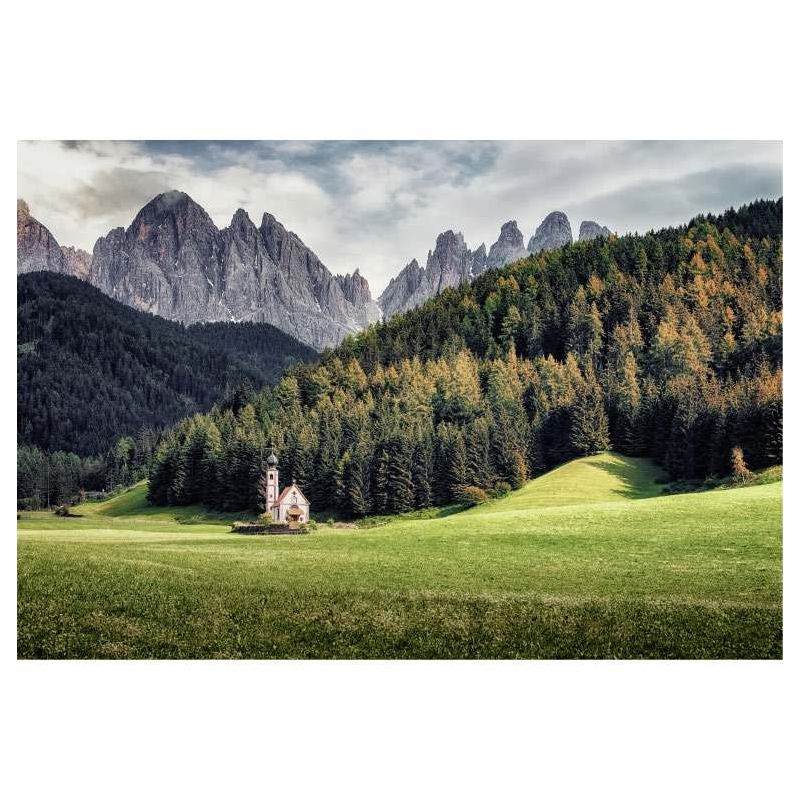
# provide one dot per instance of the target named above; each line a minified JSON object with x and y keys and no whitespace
{"x":173,"y":261}
{"x":452,"y":263}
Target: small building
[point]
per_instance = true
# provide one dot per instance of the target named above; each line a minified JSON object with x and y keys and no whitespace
{"x":289,"y":505}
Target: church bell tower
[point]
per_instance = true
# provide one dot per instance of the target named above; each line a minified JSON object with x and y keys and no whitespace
{"x":272,"y":482}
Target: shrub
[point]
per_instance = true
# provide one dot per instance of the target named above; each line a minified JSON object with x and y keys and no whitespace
{"x":739,"y":471}
{"x":65,"y":511}
{"x":471,"y":495}
{"x":501,"y":489}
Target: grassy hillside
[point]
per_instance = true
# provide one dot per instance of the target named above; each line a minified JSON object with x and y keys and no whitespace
{"x":587,"y":561}
{"x":603,"y":478}
{"x":132,"y":506}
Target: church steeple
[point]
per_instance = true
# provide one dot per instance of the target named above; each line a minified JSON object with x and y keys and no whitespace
{"x":272,"y":481}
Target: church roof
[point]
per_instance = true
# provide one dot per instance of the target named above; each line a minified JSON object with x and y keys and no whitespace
{"x":286,"y":490}
{"x":272,"y":460}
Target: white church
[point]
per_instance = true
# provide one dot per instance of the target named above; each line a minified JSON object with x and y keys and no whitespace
{"x":288,"y":506}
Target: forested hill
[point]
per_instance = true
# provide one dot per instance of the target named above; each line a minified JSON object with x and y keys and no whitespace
{"x":667,"y":344}
{"x":630,"y":270}
{"x":762,"y":219}
{"x":90,"y":369}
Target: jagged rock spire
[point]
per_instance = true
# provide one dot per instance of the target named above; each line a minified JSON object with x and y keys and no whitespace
{"x":554,"y":232}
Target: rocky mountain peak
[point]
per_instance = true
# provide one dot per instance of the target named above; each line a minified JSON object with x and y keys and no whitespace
{"x":37,"y":248}
{"x":554,"y":232}
{"x":355,"y":287}
{"x":509,"y":247}
{"x":176,"y":206}
{"x":241,"y":219}
{"x":401,"y":288}
{"x":592,"y":230}
{"x":510,"y":232}
{"x":170,"y":200}
{"x":450,"y":263}
{"x":449,"y":244}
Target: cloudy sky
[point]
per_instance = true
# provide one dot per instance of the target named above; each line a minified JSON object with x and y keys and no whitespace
{"x":376,"y":205}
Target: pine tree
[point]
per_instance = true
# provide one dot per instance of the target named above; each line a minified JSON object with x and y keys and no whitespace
{"x":399,"y":484}
{"x":476,"y":444}
{"x":297,"y":455}
{"x":589,"y":423}
{"x":199,"y":461}
{"x":508,"y":445}
{"x":161,"y":473}
{"x":641,"y":262}
{"x":509,"y":328}
{"x":176,"y":492}
{"x":356,"y":480}
{"x":380,"y":481}
{"x":681,"y":456}
{"x":210,"y":465}
{"x":329,"y":440}
{"x":535,"y":456}
{"x":628,"y":400}
{"x":584,"y":327}
{"x":451,"y":462}
{"x":421,"y":468}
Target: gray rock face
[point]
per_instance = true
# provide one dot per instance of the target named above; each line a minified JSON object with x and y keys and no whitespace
{"x":173,"y":261}
{"x":79,"y":262}
{"x":554,"y":232}
{"x":355,"y":289}
{"x":450,"y":263}
{"x":480,"y":262}
{"x":167,"y":262}
{"x":396,"y":295}
{"x":37,"y":248}
{"x":509,"y":247}
{"x":592,"y":230}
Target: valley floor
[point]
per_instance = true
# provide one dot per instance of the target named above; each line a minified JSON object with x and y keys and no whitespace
{"x":589,"y":561}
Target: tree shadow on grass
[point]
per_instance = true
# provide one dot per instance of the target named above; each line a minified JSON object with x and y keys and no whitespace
{"x":635,"y":483}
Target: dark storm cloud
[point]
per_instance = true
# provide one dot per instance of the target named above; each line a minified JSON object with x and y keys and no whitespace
{"x":457,"y":162}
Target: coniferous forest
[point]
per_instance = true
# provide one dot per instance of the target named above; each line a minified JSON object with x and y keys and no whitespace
{"x":97,"y":381}
{"x":665,"y":345}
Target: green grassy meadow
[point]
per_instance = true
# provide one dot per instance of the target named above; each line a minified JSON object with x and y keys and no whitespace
{"x":591,"y":560}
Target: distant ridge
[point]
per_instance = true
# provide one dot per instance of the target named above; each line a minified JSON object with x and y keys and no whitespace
{"x":90,"y":369}
{"x":452,"y":263}
{"x":173,"y":261}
